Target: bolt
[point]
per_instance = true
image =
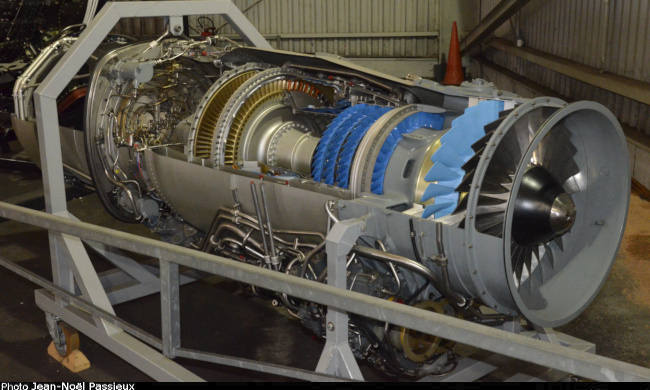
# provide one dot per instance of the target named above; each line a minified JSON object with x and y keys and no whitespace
{"x":363,"y":228}
{"x":178,"y":28}
{"x":471,"y":246}
{"x":330,"y":326}
{"x":482,"y":292}
{"x":474,"y":272}
{"x":495,"y":306}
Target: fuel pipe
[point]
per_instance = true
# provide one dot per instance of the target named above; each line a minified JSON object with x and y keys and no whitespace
{"x":442,"y":261}
{"x":260,"y":221}
{"x":265,"y":204}
{"x":238,"y":217}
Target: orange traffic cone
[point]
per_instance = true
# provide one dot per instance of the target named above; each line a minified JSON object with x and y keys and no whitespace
{"x":454,"y":75}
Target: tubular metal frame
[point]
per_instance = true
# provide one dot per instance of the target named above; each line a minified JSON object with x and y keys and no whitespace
{"x":93,"y":314}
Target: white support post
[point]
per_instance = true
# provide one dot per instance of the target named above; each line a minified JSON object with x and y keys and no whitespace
{"x":337,"y":357}
{"x":91,"y":8}
{"x":68,"y":255}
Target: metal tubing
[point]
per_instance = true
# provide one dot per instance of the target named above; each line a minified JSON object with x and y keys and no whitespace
{"x":309,"y":256}
{"x":392,"y":269}
{"x":401,"y":261}
{"x":260,"y":222}
{"x":236,"y":213}
{"x":242,"y":234}
{"x":443,"y":263}
{"x":328,"y":210}
{"x":254,"y":226}
{"x":265,"y":204}
{"x":498,"y":341}
{"x":27,"y":76}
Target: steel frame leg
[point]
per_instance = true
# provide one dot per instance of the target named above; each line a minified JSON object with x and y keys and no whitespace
{"x":70,"y":261}
{"x":337,"y":357}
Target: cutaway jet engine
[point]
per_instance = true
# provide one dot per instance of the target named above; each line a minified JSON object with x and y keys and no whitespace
{"x":478,"y":203}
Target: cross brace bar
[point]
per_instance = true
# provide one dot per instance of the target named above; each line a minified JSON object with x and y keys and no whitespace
{"x":517,"y":346}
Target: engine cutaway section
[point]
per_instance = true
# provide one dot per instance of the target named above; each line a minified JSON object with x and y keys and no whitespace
{"x":473,"y":199}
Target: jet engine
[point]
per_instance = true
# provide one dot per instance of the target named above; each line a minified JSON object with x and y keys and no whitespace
{"x":478,"y":203}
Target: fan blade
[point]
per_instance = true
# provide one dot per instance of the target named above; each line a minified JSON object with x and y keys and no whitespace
{"x":462,"y":205}
{"x":556,"y":152}
{"x":572,"y":186}
{"x":489,"y":205}
{"x":492,"y":126}
{"x":472,"y":163}
{"x":517,"y":265}
{"x":535,"y":258}
{"x":492,"y":186}
{"x":490,"y":223}
{"x":558,"y":137}
{"x":508,"y":154}
{"x":537,"y":118}
{"x":538,"y":260}
{"x":558,"y":241}
{"x":490,"y":201}
{"x":505,"y":113}
{"x":480,"y":144}
{"x":524,"y":135}
{"x":497,"y":174}
{"x":549,"y":255}
{"x":466,"y":184}
{"x":526,"y":255}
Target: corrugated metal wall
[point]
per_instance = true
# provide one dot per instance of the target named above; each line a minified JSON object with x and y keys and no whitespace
{"x":139,"y":27}
{"x":314,"y":17}
{"x":414,"y":25}
{"x":611,"y":35}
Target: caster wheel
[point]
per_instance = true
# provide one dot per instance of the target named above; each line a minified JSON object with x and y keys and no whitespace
{"x":68,"y":339}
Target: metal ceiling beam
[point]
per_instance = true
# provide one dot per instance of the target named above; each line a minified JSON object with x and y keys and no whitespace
{"x":502,"y":12}
{"x":630,"y":88}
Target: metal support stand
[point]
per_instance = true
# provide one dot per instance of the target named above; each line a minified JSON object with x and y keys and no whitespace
{"x":337,"y":358}
{"x":70,"y":261}
{"x":547,"y":334}
{"x":91,"y":8}
{"x":170,"y":308}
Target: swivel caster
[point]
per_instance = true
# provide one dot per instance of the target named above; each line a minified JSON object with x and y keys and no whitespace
{"x":64,"y":347}
{"x":66,"y":340}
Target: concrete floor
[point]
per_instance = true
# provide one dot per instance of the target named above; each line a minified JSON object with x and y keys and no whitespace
{"x":618,"y":322}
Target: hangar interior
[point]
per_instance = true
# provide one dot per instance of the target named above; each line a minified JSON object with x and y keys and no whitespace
{"x":270,"y":190}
